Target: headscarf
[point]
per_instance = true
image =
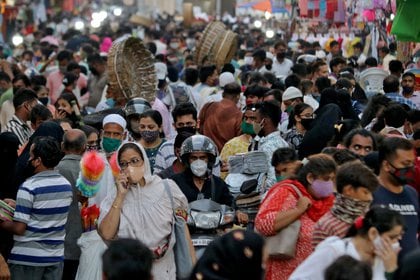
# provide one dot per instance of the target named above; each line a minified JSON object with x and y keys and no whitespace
{"x":146,"y":164}
{"x":235,"y":255}
{"x":47,"y":128}
{"x":9,"y":144}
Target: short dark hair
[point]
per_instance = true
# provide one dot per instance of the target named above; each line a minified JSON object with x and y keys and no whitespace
{"x":38,"y":80}
{"x":65,"y":55}
{"x":336,"y":61}
{"x":260,"y":54}
{"x":205,"y":72}
{"x":77,"y":144}
{"x":256,"y":90}
{"x":357,"y":175}
{"x":48,"y":150}
{"x":184,"y":109}
{"x":371,"y":61}
{"x":280,"y":43}
{"x":228,"y":67}
{"x":414,"y":116}
{"x":316,"y":65}
{"x":283,"y":155}
{"x":40,"y":112}
{"x":384,"y":49}
{"x":318,"y":165}
{"x":270,"y":110}
{"x":95,"y":58}
{"x":389,"y":146}
{"x":391,"y":84}
{"x":322,"y":83}
{"x":359,"y":131}
{"x":23,"y":78}
{"x":73,"y":65}
{"x":409,"y":74}
{"x":346,"y":267}
{"x":232,"y":89}
{"x":395,"y":115}
{"x":23,"y":95}
{"x":191,"y":76}
{"x":334,"y":43}
{"x":256,"y":78}
{"x":173,"y":74}
{"x":4,"y":77}
{"x":292,"y":80}
{"x":343,"y":83}
{"x":358,"y":45}
{"x":395,"y":66}
{"x":342,"y":156}
{"x":127,"y":259}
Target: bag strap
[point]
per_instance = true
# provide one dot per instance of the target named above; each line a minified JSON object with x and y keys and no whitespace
{"x":213,"y":188}
{"x":168,"y":191}
{"x":299,"y":193}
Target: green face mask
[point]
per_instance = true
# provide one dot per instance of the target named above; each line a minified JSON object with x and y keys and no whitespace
{"x":280,"y":178}
{"x":110,"y":144}
{"x":247,"y":128}
{"x":289,"y":109}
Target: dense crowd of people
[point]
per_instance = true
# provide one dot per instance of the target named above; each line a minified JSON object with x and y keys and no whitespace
{"x":341,"y":157}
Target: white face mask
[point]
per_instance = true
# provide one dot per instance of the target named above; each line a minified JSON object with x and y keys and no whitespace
{"x":198,"y":167}
{"x":248,"y":60}
{"x":174,"y":45}
{"x":378,"y":244}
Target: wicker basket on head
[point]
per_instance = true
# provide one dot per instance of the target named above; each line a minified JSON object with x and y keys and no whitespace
{"x":131,"y":69}
{"x":225,"y":48}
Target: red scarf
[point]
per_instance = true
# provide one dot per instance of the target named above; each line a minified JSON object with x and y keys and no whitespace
{"x":319,"y":206}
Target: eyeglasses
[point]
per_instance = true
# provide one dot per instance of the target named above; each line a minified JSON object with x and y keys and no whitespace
{"x":135,"y":162}
{"x":307,"y":116}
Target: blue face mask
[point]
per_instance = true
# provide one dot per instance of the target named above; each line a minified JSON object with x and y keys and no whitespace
{"x":110,"y":102}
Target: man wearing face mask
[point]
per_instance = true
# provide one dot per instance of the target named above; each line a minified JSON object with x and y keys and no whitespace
{"x":268,"y":138}
{"x":198,"y":153}
{"x":281,"y":65}
{"x":408,"y":84}
{"x":113,"y":133}
{"x":133,"y":109}
{"x":353,"y":198}
{"x":54,"y":80}
{"x":396,"y":159}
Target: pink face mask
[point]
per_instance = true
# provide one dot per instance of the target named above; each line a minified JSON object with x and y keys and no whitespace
{"x":322,"y":189}
{"x":135,"y":174}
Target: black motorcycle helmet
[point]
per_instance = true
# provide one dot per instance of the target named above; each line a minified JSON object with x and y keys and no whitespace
{"x":199,"y":143}
{"x":134,"y":108}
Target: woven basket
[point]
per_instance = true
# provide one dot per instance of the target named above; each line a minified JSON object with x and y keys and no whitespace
{"x":131,"y":69}
{"x":208,"y":39}
{"x":225,"y":48}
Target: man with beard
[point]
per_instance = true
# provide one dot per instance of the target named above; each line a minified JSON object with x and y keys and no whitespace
{"x":408,"y":84}
{"x":97,"y":80}
{"x":355,"y":185}
{"x":185,"y":119}
{"x":133,"y":109}
{"x":281,"y":64}
{"x":42,"y":206}
{"x":396,"y":159}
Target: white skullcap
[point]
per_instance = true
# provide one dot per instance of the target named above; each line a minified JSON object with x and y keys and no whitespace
{"x":161,"y":70}
{"x":114,"y":118}
{"x":226,"y":78}
{"x":291,"y":93}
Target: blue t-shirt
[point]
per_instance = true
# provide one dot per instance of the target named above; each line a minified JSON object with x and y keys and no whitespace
{"x":407,"y":204}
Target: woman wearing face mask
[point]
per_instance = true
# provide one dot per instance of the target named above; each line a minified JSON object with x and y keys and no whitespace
{"x":282,"y":206}
{"x":141,"y":209}
{"x":43,"y":92}
{"x":151,"y":133}
{"x":300,"y":120}
{"x":373,"y":239}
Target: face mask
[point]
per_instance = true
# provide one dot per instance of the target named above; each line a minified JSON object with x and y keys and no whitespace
{"x":404,"y":175}
{"x":44,"y":100}
{"x":268,"y":66}
{"x":189,"y":129}
{"x":198,"y":167}
{"x":280,"y":55}
{"x":289,"y":109}
{"x":280,"y":178}
{"x":322,"y":188}
{"x":377,"y":243}
{"x":30,"y":169}
{"x":257,"y":127}
{"x":174,"y":45}
{"x":248,"y":60}
{"x":247,"y":128}
{"x":110,"y":102}
{"x":149,"y":136}
{"x":407,"y":90}
{"x":307,"y":123}
{"x":110,"y":145}
{"x":135,"y":174}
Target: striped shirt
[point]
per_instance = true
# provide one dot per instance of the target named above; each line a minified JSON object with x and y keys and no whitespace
{"x":20,"y":129}
{"x":327,"y":226}
{"x":42,"y":204}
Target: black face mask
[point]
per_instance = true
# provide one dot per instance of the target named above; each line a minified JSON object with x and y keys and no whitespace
{"x":307,"y":123}
{"x":29,"y":169}
{"x":189,"y":129}
{"x":281,"y":55}
{"x":268,"y":66}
